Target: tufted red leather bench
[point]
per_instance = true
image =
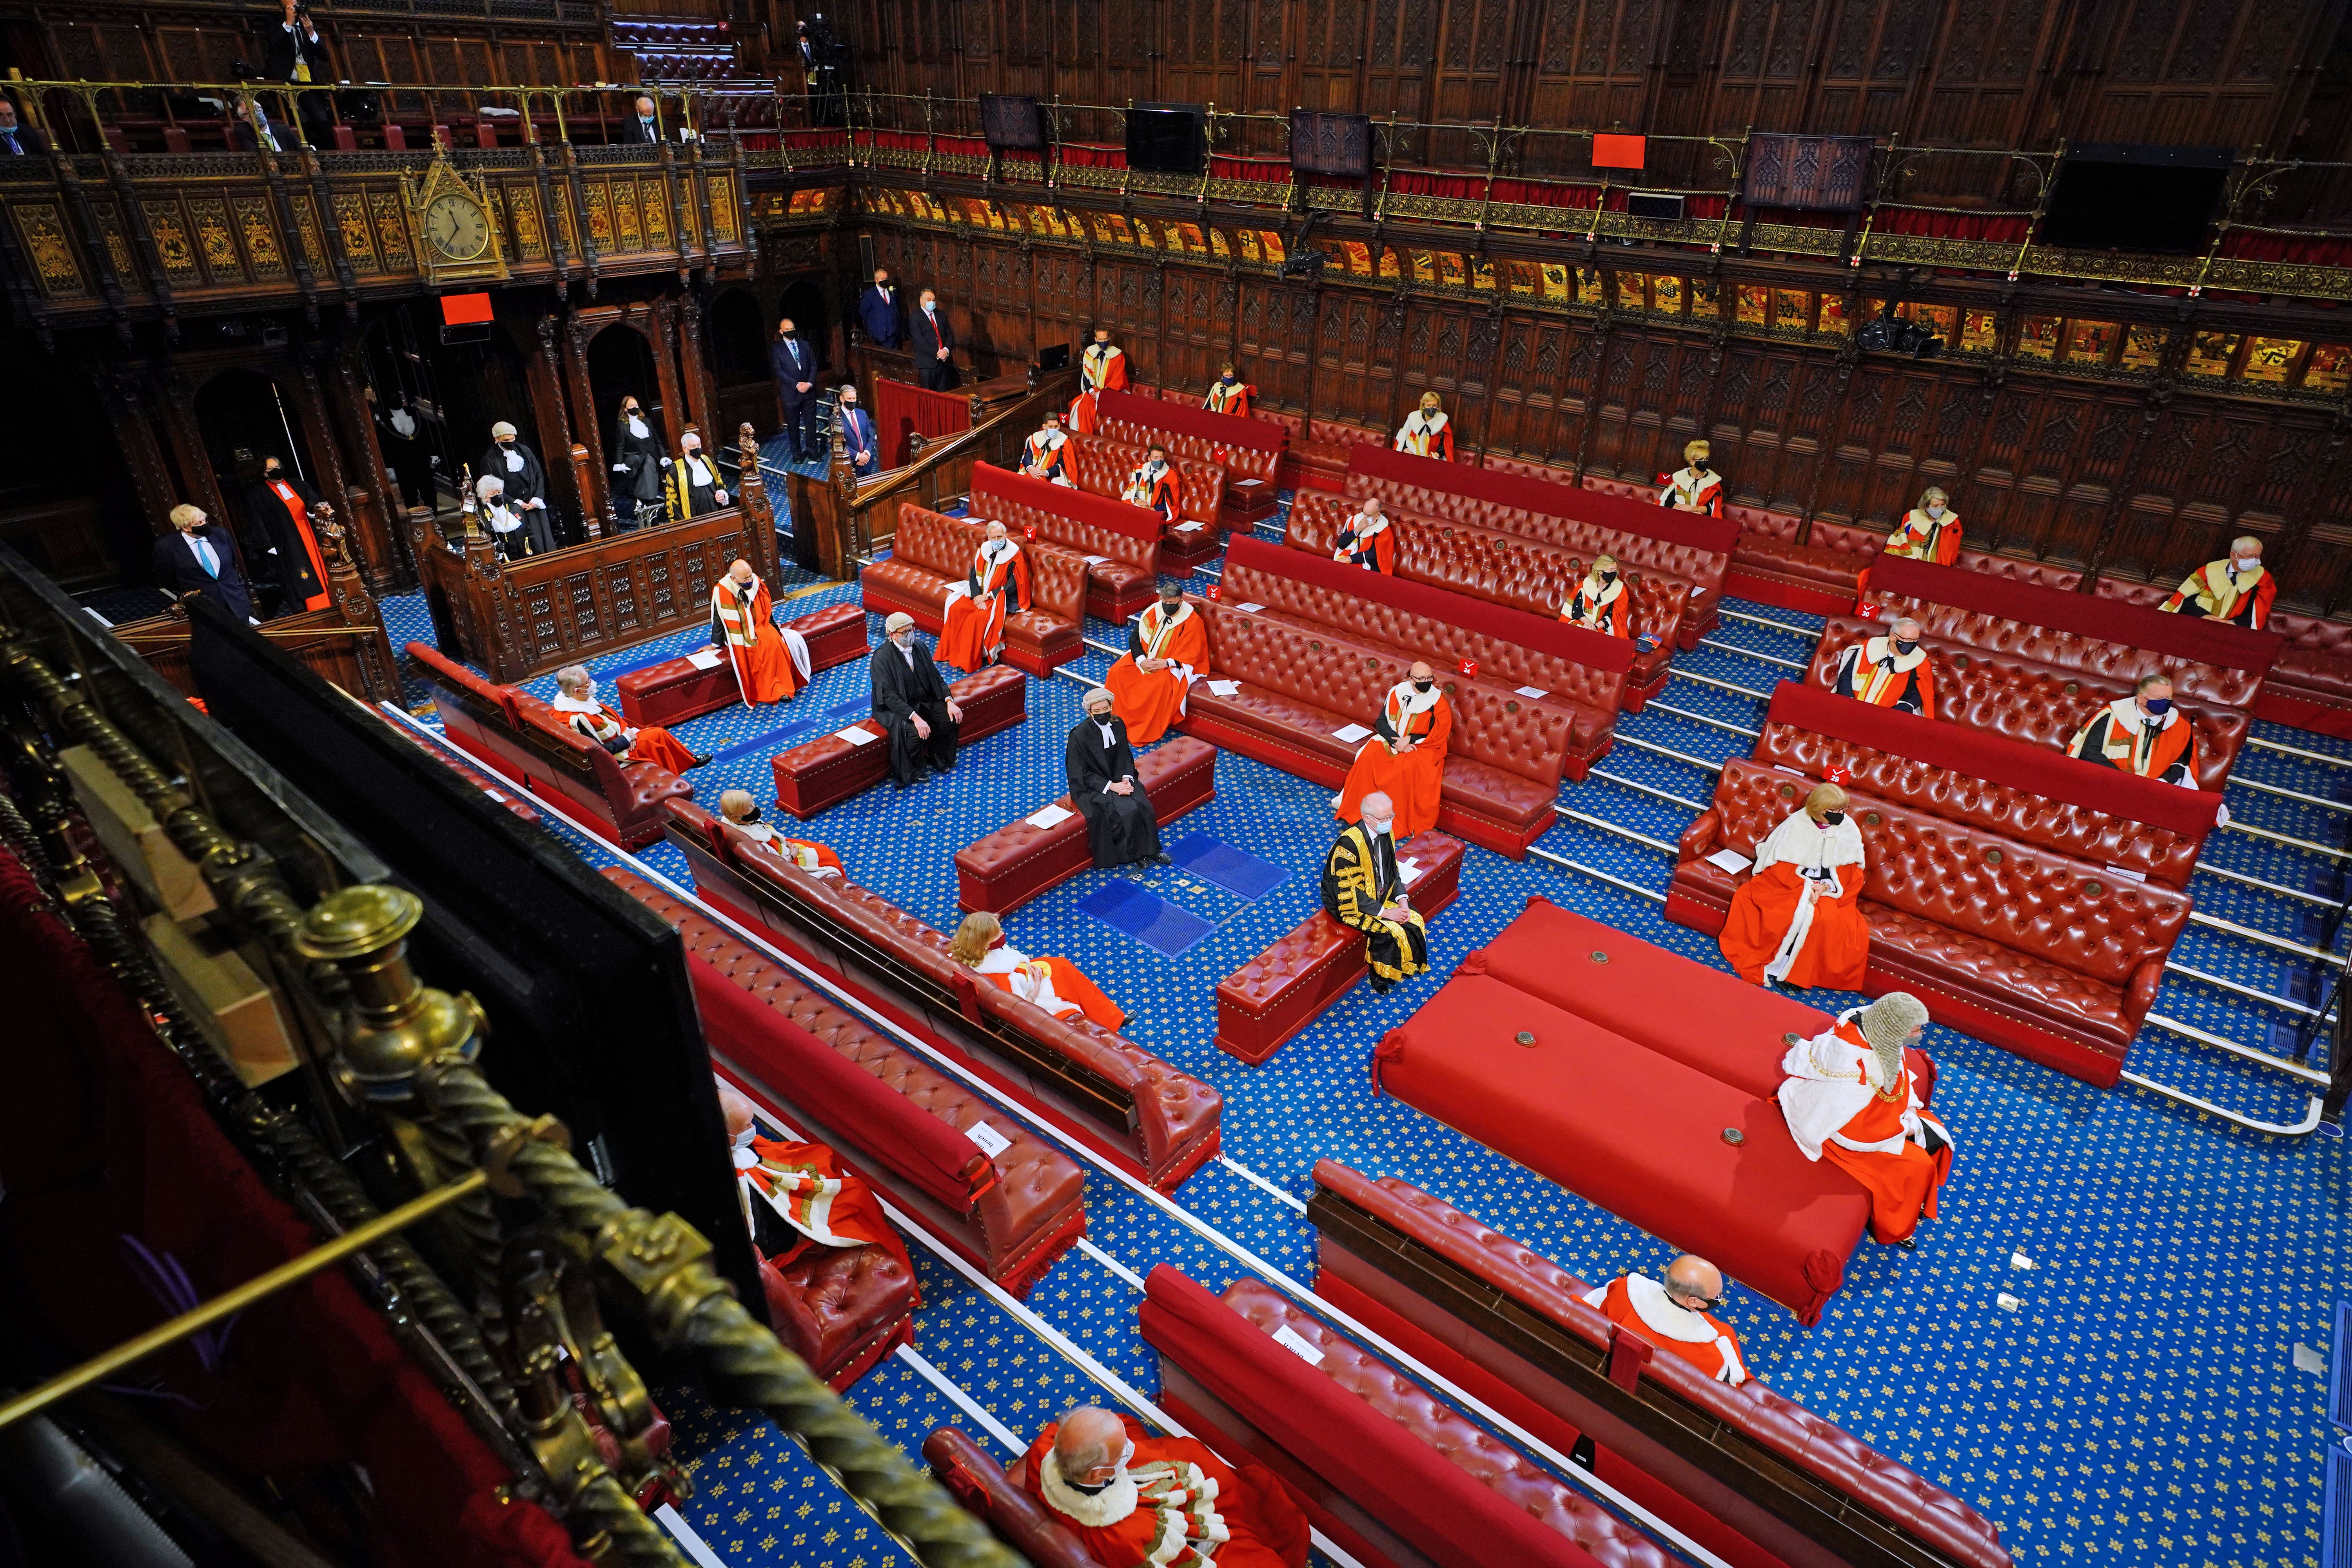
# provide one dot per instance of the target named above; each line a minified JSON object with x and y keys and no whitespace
{"x":2051,"y":957}
{"x":1121,"y":542}
{"x":932,"y":551}
{"x":829,"y":770}
{"x":521,"y":738}
{"x":1315,"y":455}
{"x":841,"y":1309}
{"x":1139,"y":1112}
{"x":1382,"y":1468}
{"x":2310,"y":687}
{"x":1743,"y":1471}
{"x":1519,"y":574}
{"x":1020,"y":860}
{"x":1503,"y":766}
{"x":900,"y":1123}
{"x":1284,"y":989}
{"x":1101,"y":465}
{"x":1632,"y":1130}
{"x":676,"y":690}
{"x":976,"y":1478}
{"x":2040,"y":687}
{"x":1240,"y":447}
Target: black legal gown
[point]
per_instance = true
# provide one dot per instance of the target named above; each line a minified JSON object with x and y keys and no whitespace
{"x":1120,"y":828}
{"x":902,"y":690}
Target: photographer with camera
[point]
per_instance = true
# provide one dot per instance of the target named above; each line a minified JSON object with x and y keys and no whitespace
{"x":292,"y":51}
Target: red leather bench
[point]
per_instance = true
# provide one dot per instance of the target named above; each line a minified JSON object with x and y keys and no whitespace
{"x":2051,"y":957}
{"x":1749,"y":1474}
{"x":1020,"y":860}
{"x":1139,"y":1112}
{"x":1120,"y":543}
{"x":1504,"y":568}
{"x":2309,"y":685}
{"x":829,"y":770}
{"x":1315,"y":455}
{"x":1781,"y":562}
{"x":841,"y":1309}
{"x":677,"y":689}
{"x":1101,"y":465}
{"x":899,"y":1121}
{"x":501,"y":790}
{"x":1248,"y":451}
{"x":1380,"y":1467}
{"x":1634,"y":1131}
{"x":521,"y":738}
{"x":1297,"y":687}
{"x":1284,"y":989}
{"x":932,"y":551}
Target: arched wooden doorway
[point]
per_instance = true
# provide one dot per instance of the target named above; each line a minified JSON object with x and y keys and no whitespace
{"x":739,"y":336}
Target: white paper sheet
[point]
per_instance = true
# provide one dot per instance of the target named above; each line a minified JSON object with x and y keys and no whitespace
{"x":1291,"y":1340}
{"x":1051,"y":816}
{"x":1533,"y":691}
{"x":992,"y":1142}
{"x":1191,"y":527}
{"x":857,"y":734}
{"x":1225,"y":688}
{"x":1096,"y":560}
{"x":1252,"y":609}
{"x":704,"y":659}
{"x":1351,"y":733}
{"x":2128,"y":874}
{"x":1408,"y":872}
{"x":1731,"y":860}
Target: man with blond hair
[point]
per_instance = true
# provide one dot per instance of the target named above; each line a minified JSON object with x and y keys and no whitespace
{"x":198,"y":559}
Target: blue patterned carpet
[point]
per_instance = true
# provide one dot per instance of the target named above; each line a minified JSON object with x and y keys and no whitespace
{"x":2138,"y":1404}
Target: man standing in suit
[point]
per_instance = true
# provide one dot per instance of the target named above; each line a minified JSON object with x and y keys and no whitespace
{"x":911,"y":703}
{"x":279,"y":508}
{"x":877,"y":312}
{"x":794,"y":363}
{"x":199,"y":557}
{"x":932,"y":341}
{"x":293,"y":51}
{"x":858,"y":437}
{"x":1121,"y":827}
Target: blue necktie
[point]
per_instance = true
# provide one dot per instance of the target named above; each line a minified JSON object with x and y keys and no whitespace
{"x":204,"y":556}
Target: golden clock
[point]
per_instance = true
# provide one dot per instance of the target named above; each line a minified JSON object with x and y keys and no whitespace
{"x":456,"y":227}
{"x":457,"y":230}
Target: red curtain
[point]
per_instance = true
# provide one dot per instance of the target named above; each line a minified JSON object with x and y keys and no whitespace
{"x":901,"y":411}
{"x":104,"y":1136}
{"x":1998,"y":229}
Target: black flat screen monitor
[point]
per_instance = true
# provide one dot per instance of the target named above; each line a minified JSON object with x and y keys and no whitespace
{"x":1167,"y":138}
{"x":2124,"y":196}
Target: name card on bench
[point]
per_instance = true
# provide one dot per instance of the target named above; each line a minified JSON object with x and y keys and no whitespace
{"x":1291,"y":1340}
{"x":704,"y":658}
{"x":1190,"y":527}
{"x":1731,"y":860}
{"x":992,"y":1142}
{"x":1225,"y":688}
{"x":857,"y":734}
{"x":1351,"y":734}
{"x":1051,"y":816}
{"x":1408,"y":872}
{"x":1252,"y":609}
{"x":1096,"y":560}
{"x":1533,"y":691}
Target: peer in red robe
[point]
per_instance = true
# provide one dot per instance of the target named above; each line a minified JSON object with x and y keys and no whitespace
{"x":817,"y":859}
{"x":1045,"y":455}
{"x":2236,"y":590}
{"x":1229,"y":393}
{"x":1676,"y":1314}
{"x":1892,"y":671}
{"x":1798,"y":921}
{"x":1055,"y":985}
{"x":972,"y":634}
{"x":2145,"y":733}
{"x":1160,"y":1502}
{"x":576,"y":699}
{"x":1155,"y":484}
{"x":1427,"y":432}
{"x":1601,"y":600}
{"x":742,"y":622}
{"x":1406,"y":757}
{"x":1694,"y":486}
{"x":1367,"y":540}
{"x":1852,"y":1099}
{"x":820,"y":1201}
{"x":1167,"y":650}
{"x":1101,"y":368}
{"x":1929,"y":532}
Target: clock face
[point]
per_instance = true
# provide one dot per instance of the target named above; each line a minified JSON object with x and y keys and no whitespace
{"x":457,"y":227}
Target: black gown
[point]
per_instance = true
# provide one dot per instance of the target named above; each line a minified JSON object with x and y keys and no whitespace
{"x":1120,"y":828}
{"x":638,"y":465}
{"x":900,"y":693}
{"x":526,"y":483}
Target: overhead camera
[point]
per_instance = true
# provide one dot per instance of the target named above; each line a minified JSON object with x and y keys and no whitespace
{"x":1305,"y":264}
{"x":1889,"y":335}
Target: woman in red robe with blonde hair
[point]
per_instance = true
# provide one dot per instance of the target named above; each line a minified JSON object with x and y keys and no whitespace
{"x":1055,"y":985}
{"x":972,"y":634}
{"x":1798,"y":921}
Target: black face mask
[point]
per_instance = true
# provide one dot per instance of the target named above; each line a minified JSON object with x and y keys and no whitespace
{"x":749,"y":818}
{"x":270,"y":472}
{"x":1906,"y":648}
{"x":630,"y":412}
{"x":1608,"y":576}
{"x":507,"y":442}
{"x":1832,"y":818}
{"x":1699,"y":465}
{"x":1084,"y":1489}
{"x":1423,"y":684}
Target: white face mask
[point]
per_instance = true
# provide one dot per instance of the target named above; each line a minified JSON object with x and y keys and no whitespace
{"x":2247,"y":562}
{"x":1379,"y":827}
{"x":743,"y":1139}
{"x":1935,"y":509}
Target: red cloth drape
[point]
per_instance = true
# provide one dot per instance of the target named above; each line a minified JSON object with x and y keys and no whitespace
{"x":901,"y":411}
{"x":103,"y":1136}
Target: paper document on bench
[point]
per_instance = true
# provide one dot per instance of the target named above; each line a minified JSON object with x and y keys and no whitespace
{"x":1252,"y":609}
{"x":1731,"y":860}
{"x":1294,"y":1341}
{"x":1408,"y":872}
{"x":1190,"y":527}
{"x":1225,"y":688}
{"x":1533,"y":691}
{"x":704,"y":658}
{"x":857,"y":734}
{"x":1351,"y":734}
{"x":1096,"y":560}
{"x":1052,"y":816}
{"x":992,"y":1142}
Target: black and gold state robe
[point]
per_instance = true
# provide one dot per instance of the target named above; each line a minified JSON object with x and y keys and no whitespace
{"x":1360,"y":876}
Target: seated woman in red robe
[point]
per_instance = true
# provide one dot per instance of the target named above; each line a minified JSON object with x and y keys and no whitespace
{"x":1852,"y":1099}
{"x":1798,"y":921}
{"x":576,"y":699}
{"x":1055,"y":985}
{"x":1135,"y":1499}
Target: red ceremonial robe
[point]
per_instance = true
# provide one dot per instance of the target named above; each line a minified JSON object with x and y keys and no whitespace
{"x":1798,"y":930}
{"x":1367,"y":543}
{"x":300,"y":513}
{"x":1163,"y":491}
{"x":649,"y":743}
{"x":972,"y":634}
{"x":1188,"y":1508}
{"x":1696,"y":491}
{"x":1152,"y":701}
{"x":1832,"y":1076}
{"x":1224,"y":399}
{"x":1057,"y":984}
{"x":1046,"y":458}
{"x":744,"y":623}
{"x":1637,"y":1302}
{"x":1601,"y":608}
{"x":1426,"y":436}
{"x":2214,"y":589}
{"x":816,"y":860}
{"x":1413,"y":775}
{"x":824,"y":1201}
{"x":1101,"y":368}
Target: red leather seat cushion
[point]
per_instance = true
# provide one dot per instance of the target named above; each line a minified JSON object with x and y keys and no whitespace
{"x":1814,"y":565}
{"x":1634,"y":1131}
{"x":834,"y":1305}
{"x":1021,"y":860}
{"x":829,"y":770}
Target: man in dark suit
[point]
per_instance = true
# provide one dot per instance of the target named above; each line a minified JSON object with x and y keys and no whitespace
{"x":1121,"y":827}
{"x":293,"y":51}
{"x":199,"y":557}
{"x":911,"y":703}
{"x":877,"y":312}
{"x":642,"y":125}
{"x":931,"y":340}
{"x":794,"y":363}
{"x":17,"y":140}
{"x":859,"y":440}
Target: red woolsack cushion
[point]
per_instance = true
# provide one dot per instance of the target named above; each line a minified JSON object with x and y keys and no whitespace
{"x":1698,"y":530}
{"x":926,"y":1147}
{"x":987,"y":479}
{"x":2036,"y":770}
{"x":1184,"y":419}
{"x":2193,"y":638}
{"x":1576,"y":644}
{"x":1341,"y":1439}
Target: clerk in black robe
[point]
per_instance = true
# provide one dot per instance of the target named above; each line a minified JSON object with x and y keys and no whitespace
{"x":638,"y":465}
{"x":911,"y":702}
{"x":517,"y":466}
{"x":1121,"y":827}
{"x":279,"y":508}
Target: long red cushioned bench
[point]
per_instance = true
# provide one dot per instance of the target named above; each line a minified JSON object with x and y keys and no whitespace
{"x":677,"y":689}
{"x":524,"y":741}
{"x":1637,"y":1127}
{"x":1523,"y":575}
{"x":896,"y":1120}
{"x":1100,"y":465}
{"x":829,"y":770}
{"x":932,"y":551}
{"x":1120,"y":543}
{"x":1284,"y":989}
{"x":1155,"y":1121}
{"x":1249,"y":450}
{"x":1386,"y":1472}
{"x":1021,"y":860}
{"x":2053,"y":958}
{"x":1297,"y":687}
{"x":1752,"y":1475}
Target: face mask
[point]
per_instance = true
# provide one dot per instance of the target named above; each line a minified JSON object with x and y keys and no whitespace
{"x":1906,"y":647}
{"x":630,"y":412}
{"x":1608,"y":576}
{"x":743,"y":1139}
{"x":2159,"y":705}
{"x":507,"y":442}
{"x":2248,"y":565}
{"x":1377,"y":828}
{"x":849,"y":403}
{"x":270,"y":472}
{"x":1227,"y":378}
{"x":1422,"y":685}
{"x":1832,"y":818}
{"x":694,"y":451}
{"x":1699,"y":465}
{"x":1936,"y":510}
{"x":751,"y":816}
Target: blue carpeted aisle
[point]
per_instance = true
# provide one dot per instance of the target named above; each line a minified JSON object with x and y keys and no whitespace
{"x":2138,"y":1404}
